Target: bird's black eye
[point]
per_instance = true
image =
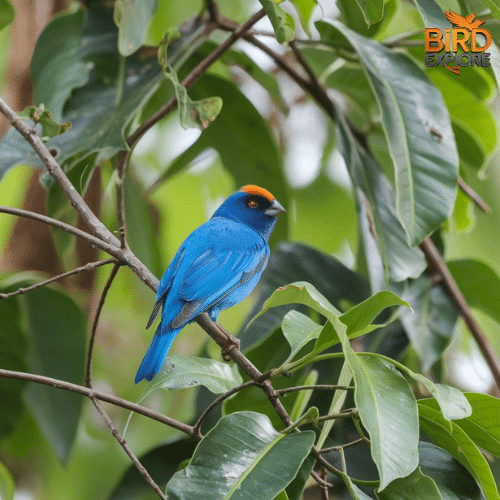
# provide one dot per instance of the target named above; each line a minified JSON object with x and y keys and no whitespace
{"x":252,"y":204}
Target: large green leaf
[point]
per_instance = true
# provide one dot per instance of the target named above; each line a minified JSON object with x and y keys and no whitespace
{"x":299,"y":262}
{"x":430,"y":325}
{"x":482,"y":292}
{"x":57,"y":349}
{"x":13,"y":348}
{"x":411,"y":107}
{"x":373,"y":10}
{"x":388,"y":411}
{"x":416,"y":485}
{"x":305,"y":9}
{"x":451,"y":477}
{"x":452,"y":438}
{"x":181,"y":372}
{"x":482,"y":424}
{"x":133,"y":20}
{"x":7,"y":13}
{"x":400,"y":261}
{"x":7,"y":486}
{"x":97,"y":130}
{"x":241,"y":457}
{"x":234,"y":134}
{"x":298,"y":330}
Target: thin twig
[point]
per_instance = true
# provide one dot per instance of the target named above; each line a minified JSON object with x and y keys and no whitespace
{"x":327,"y":387}
{"x":437,"y":264}
{"x":480,"y":203}
{"x":96,"y":242}
{"x":107,"y":286}
{"x":87,"y":267}
{"x":121,"y":440}
{"x":325,"y":495}
{"x":120,"y":196}
{"x":213,"y":404}
{"x":102,"y":396}
{"x":335,"y":416}
{"x":347,"y":445}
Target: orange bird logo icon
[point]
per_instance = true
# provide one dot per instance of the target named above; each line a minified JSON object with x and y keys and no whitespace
{"x":463,"y":22}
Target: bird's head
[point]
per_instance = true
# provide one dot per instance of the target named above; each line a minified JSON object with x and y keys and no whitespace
{"x":254,"y":206}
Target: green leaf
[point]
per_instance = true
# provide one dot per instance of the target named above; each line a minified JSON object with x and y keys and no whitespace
{"x":281,"y":496}
{"x":133,"y":20}
{"x":181,"y":372}
{"x":463,"y":214}
{"x":451,"y":477}
{"x":238,"y":128}
{"x":430,"y":325}
{"x":358,"y":319}
{"x":59,"y":63}
{"x":482,"y":292}
{"x":400,"y":261}
{"x":481,"y":425}
{"x":301,"y":293}
{"x":38,"y":114}
{"x":7,"y":13}
{"x":161,"y":463}
{"x":294,"y":262}
{"x":57,"y":349}
{"x":96,"y":130}
{"x":416,"y":485}
{"x":7,"y":486}
{"x":296,"y":488}
{"x":305,"y":9}
{"x":388,"y":411}
{"x":192,"y":114}
{"x":298,"y":330}
{"x":283,"y":23}
{"x":452,"y":438}
{"x":240,"y":456}
{"x":13,"y":349}
{"x":411,"y":107}
{"x":373,"y":10}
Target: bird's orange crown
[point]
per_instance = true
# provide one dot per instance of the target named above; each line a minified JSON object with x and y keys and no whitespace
{"x":256,"y":190}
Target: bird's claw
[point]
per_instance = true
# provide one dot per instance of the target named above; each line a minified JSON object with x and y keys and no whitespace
{"x":232,"y":343}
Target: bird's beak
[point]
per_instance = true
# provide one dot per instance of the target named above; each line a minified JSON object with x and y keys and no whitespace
{"x":275,"y":209}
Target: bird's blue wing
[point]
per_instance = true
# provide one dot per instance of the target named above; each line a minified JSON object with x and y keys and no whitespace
{"x":215,"y":274}
{"x":165,"y":284}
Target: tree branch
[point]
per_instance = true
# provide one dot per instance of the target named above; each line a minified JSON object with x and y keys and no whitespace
{"x":437,"y":264}
{"x":480,"y":203}
{"x":121,"y":440}
{"x":87,"y":267}
{"x":107,"y":286}
{"x":90,"y":393}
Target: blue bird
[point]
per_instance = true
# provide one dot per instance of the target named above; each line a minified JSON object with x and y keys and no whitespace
{"x":216,"y":267}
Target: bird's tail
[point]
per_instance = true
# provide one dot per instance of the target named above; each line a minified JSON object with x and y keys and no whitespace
{"x":156,"y":354}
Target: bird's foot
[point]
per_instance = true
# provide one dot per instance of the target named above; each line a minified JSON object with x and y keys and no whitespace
{"x":232,"y":343}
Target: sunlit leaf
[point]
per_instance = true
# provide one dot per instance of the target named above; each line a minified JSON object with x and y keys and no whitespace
{"x":283,"y":23}
{"x":7,"y":13}
{"x":181,"y":372}
{"x":7,"y":486}
{"x":305,"y":9}
{"x":241,"y":455}
{"x":388,"y":411}
{"x":133,"y":20}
